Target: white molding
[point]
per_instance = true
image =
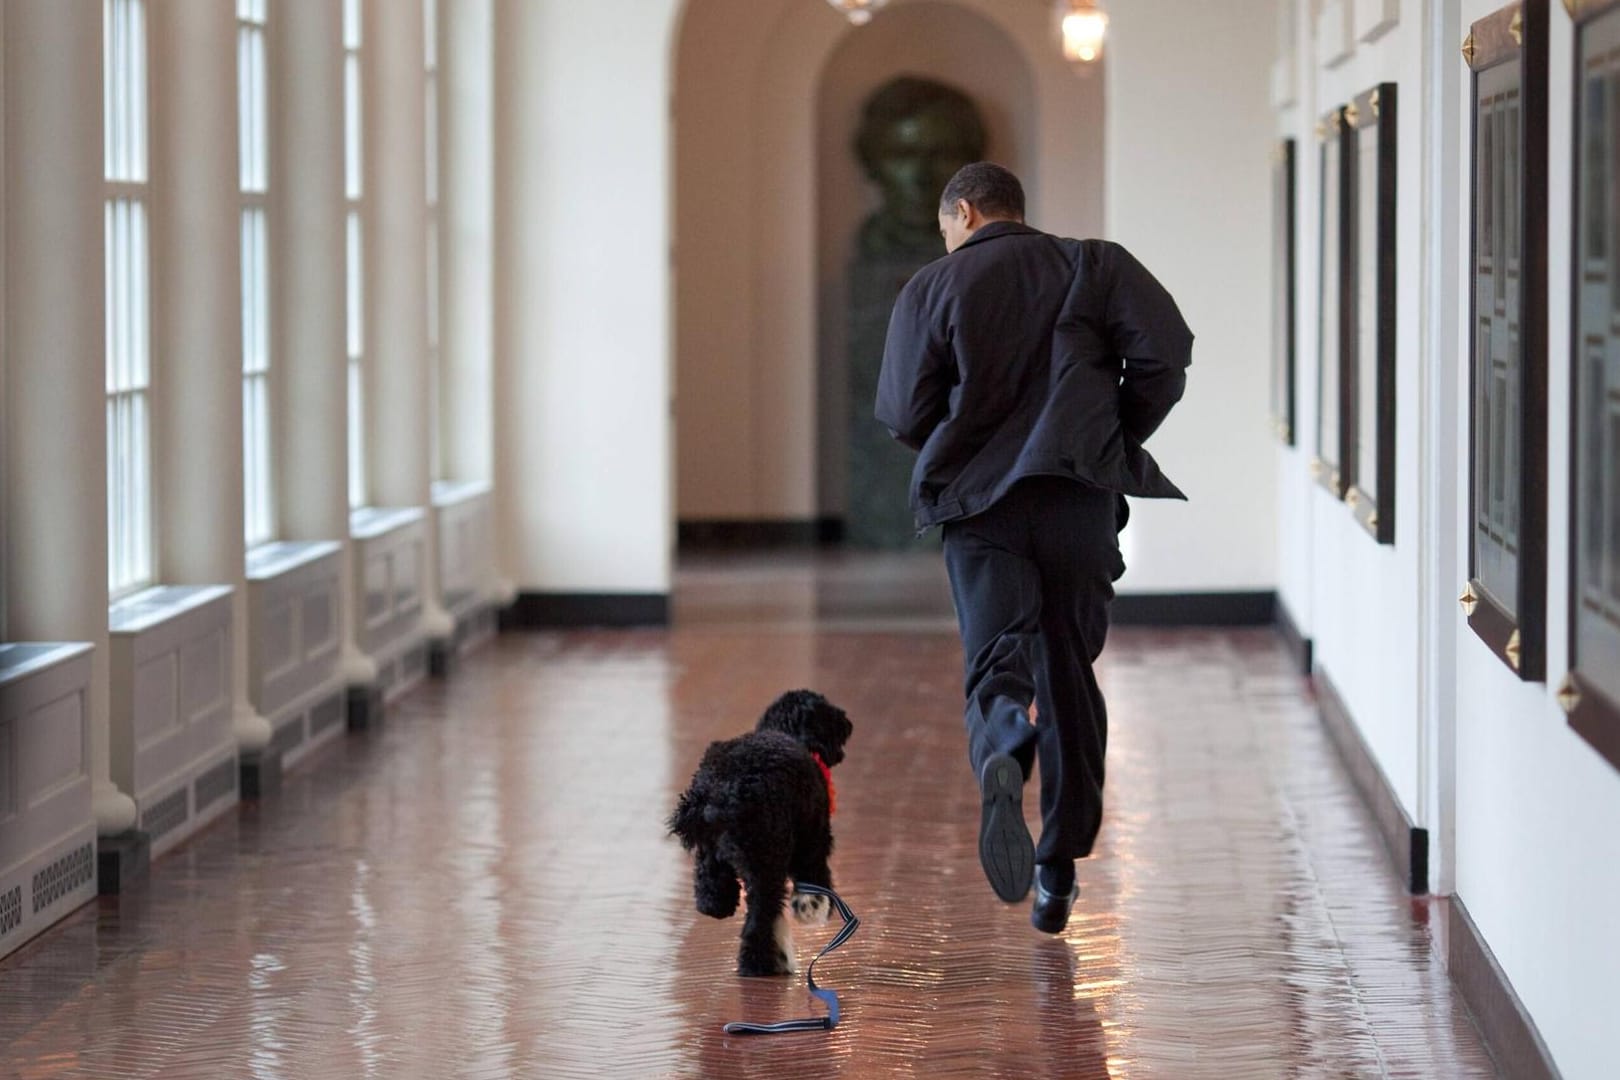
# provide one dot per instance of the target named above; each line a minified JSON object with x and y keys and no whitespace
{"x":1335,"y":37}
{"x":272,"y":560}
{"x":1375,"y":18}
{"x":47,"y":815}
{"x":1285,"y":81}
{"x":465,"y":529}
{"x":172,"y":716}
{"x":152,"y":607}
{"x":448,"y":493}
{"x":390,"y":545}
{"x":301,"y":712}
{"x":294,"y":623}
{"x":375,"y":522}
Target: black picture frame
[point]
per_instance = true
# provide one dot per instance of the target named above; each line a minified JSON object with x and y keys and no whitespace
{"x":1505,"y":598}
{"x":1370,"y":256}
{"x":1333,"y":286}
{"x":1284,"y":296}
{"x":1590,"y":693}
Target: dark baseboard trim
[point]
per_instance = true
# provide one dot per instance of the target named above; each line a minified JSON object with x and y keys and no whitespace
{"x":728,"y":535}
{"x":1509,"y":1033}
{"x":1407,"y":844}
{"x":366,"y":710}
{"x":122,"y":861}
{"x":260,"y":772}
{"x":544,"y":611}
{"x":1299,"y":646}
{"x":1194,"y":609}
{"x":441,"y":657}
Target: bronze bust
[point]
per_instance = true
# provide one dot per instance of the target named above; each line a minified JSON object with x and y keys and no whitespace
{"x":914,"y":135}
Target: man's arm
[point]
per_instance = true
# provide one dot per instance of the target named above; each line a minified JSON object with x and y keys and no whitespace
{"x":915,"y":383}
{"x":1145,"y":328}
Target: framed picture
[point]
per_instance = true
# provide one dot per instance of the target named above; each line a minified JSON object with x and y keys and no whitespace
{"x":1283,"y":307}
{"x":1506,"y":594}
{"x":1591,"y":691}
{"x":1332,"y":435}
{"x":1370,"y":249}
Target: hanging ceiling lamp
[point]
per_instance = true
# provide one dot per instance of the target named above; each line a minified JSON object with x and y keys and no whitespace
{"x":1085,"y":25}
{"x":859,"y":12}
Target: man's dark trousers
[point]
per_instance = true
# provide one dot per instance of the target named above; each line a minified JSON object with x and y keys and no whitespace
{"x":1032,"y":578}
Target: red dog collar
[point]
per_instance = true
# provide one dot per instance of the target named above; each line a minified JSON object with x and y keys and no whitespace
{"x":826,"y":775}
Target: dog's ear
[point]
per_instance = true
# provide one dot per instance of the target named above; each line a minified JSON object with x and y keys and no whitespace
{"x":791,"y":713}
{"x":812,"y":720}
{"x":833,"y":729}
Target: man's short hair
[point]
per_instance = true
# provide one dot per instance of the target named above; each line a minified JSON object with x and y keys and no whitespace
{"x":991,"y":190}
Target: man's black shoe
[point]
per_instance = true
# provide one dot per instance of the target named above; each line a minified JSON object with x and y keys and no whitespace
{"x":1005,"y":850}
{"x":1050,"y":913}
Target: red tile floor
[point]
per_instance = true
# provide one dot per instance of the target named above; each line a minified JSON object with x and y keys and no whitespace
{"x":483,"y":888}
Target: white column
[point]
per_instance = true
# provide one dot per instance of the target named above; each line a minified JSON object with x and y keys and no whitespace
{"x":467,"y":251}
{"x":4,"y":449}
{"x":467,"y":235}
{"x":197,"y":317}
{"x":583,"y":358}
{"x":56,"y":512}
{"x":307,"y":288}
{"x":397,"y":439}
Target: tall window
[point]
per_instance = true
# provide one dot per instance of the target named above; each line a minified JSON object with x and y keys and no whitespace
{"x":353,"y":191}
{"x":252,"y":82}
{"x":128,"y":279}
{"x":431,"y":122}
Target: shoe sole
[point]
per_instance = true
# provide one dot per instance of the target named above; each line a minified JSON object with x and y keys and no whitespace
{"x":1005,"y":849}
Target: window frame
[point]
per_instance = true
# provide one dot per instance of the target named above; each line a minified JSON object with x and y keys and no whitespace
{"x":128,"y":367}
{"x":254,"y":147}
{"x":354,"y":216}
{"x":433,"y":115}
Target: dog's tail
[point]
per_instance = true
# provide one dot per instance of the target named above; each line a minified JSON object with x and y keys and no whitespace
{"x":687,"y":821}
{"x":703,"y":810}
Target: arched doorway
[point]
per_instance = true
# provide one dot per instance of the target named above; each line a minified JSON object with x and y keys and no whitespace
{"x":766,"y":197}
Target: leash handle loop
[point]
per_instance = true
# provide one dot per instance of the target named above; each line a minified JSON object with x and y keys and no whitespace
{"x":829,"y":997}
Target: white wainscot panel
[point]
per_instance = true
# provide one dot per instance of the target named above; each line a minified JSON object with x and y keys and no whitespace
{"x":1335,"y":35}
{"x":1284,"y":81}
{"x":294,"y":589}
{"x":1375,"y":18}
{"x":389,"y":546}
{"x":464,"y":513}
{"x":47,"y":826}
{"x":173,"y":748}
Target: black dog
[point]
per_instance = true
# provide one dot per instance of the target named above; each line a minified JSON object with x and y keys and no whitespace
{"x":758,"y":810}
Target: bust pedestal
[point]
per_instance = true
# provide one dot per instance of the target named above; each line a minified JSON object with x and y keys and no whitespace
{"x":879,"y":511}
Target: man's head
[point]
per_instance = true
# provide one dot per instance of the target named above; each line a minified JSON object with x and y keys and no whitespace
{"x":977,"y":195}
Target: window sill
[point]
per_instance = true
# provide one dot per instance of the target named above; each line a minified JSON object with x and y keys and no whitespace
{"x":448,"y":493}
{"x":372,"y":522}
{"x":20,"y":661}
{"x":277,"y":558}
{"x":160,"y":604}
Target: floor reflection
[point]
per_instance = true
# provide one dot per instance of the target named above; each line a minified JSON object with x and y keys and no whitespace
{"x":482,"y":888}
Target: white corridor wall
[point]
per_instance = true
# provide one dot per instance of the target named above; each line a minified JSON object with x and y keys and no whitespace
{"x":582,"y":310}
{"x":1188,"y":143}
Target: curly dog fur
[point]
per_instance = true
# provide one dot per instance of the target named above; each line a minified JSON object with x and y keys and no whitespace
{"x":757,"y":814}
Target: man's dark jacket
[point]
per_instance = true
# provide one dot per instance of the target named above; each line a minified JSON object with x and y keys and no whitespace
{"x":1022,"y":354}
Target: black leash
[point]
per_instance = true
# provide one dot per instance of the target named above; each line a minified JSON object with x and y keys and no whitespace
{"x":810,"y":1023}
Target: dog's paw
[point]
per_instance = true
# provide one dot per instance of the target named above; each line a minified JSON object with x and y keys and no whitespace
{"x":811,"y":910}
{"x":767,"y":964}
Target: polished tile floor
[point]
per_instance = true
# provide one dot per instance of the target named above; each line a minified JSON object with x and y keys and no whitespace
{"x":483,"y":888}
